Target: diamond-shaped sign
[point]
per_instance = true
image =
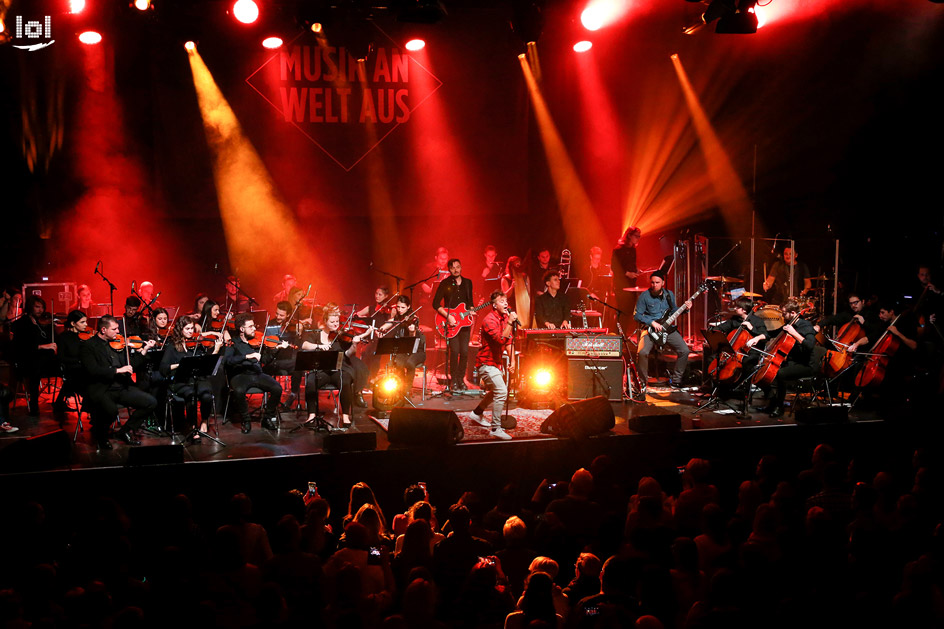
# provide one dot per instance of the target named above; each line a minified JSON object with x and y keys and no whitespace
{"x":344,"y":107}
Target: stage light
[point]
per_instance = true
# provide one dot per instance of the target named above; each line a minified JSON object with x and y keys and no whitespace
{"x":76,"y":6}
{"x":762,"y":15}
{"x":90,"y":38}
{"x":415,"y":44}
{"x":272,"y":43}
{"x":422,"y":11}
{"x":316,"y":27}
{"x":190,"y":46}
{"x":542,"y":378}
{"x":142,"y":5}
{"x":389,"y":389}
{"x":734,"y":17}
{"x":246,"y":11}
{"x":600,"y":13}
{"x":583,"y":46}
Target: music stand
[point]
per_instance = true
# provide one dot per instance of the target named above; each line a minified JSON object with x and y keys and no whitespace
{"x":405,"y":346}
{"x":153,"y":363}
{"x":317,"y":360}
{"x":718,"y":342}
{"x":193,"y":368}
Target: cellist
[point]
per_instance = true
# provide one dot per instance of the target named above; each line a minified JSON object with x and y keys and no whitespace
{"x":744,"y":317}
{"x":859,"y":312}
{"x":797,"y":364}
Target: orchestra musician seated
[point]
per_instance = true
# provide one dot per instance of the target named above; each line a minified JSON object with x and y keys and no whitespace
{"x":744,"y":317}
{"x":244,"y":366}
{"x":551,"y":307}
{"x":69,"y":346}
{"x":34,"y":348}
{"x":407,"y":362}
{"x":347,"y":379}
{"x":110,"y":384}
{"x":799,"y":361}
{"x":176,"y":349}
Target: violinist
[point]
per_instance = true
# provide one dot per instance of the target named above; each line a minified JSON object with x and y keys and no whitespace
{"x":198,"y":302}
{"x":159,"y":325}
{"x":69,"y":345}
{"x":798,"y":362}
{"x":350,"y":378}
{"x":110,"y":385}
{"x":380,"y":312}
{"x":284,"y":365}
{"x":244,"y":365}
{"x":212,"y":322}
{"x":410,"y":328}
{"x":83,"y":299}
{"x":236,"y":300}
{"x":34,"y":348}
{"x":146,"y":292}
{"x":288,"y":284}
{"x":132,"y":324}
{"x":184,"y":341}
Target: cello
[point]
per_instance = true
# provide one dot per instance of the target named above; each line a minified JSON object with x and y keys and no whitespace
{"x":874,"y":369}
{"x":839,"y":359}
{"x":726,"y":366}
{"x":777,"y":354}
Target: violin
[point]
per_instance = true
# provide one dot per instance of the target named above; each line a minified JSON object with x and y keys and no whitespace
{"x":217,"y":324}
{"x":201,"y":340}
{"x":272,"y":341}
{"x":86,"y":334}
{"x":120,"y":344}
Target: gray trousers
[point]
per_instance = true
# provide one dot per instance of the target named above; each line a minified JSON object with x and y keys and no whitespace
{"x":676,"y":342}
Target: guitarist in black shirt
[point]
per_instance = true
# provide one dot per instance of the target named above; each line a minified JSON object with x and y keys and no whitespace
{"x":452,"y":291}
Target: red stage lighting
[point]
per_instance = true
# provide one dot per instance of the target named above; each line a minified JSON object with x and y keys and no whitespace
{"x":142,"y":5}
{"x":76,"y":6}
{"x":761,"y":14}
{"x":90,"y":38}
{"x":583,"y":46}
{"x":272,"y":43}
{"x":600,"y":13}
{"x":415,"y":44}
{"x":246,"y":11}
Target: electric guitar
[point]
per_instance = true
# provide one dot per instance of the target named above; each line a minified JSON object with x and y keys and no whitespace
{"x":463,"y":319}
{"x":667,"y":320}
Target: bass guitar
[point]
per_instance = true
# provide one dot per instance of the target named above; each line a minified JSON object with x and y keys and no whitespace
{"x":667,"y":321}
{"x":462,"y":316}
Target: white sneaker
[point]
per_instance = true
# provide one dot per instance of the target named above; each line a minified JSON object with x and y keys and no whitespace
{"x":7,"y":427}
{"x":479,"y":420}
{"x":498,"y":433}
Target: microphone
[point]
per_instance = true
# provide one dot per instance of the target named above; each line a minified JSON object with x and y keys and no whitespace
{"x":156,"y":296}
{"x":774,"y":247}
{"x":216,"y":268}
{"x":132,"y":285}
{"x":308,"y":292}
{"x":97,"y":264}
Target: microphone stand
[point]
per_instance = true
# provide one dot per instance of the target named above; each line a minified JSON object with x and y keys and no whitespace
{"x":111,"y":288}
{"x":396,"y":277}
{"x":295,"y":310}
{"x":147,"y":304}
{"x":240,"y":291}
{"x":417,"y":283}
{"x":736,"y":245}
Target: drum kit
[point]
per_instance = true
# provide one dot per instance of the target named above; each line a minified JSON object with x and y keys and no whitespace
{"x":813,"y":301}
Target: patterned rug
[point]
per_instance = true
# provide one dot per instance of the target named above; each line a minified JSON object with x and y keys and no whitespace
{"x":529,"y":425}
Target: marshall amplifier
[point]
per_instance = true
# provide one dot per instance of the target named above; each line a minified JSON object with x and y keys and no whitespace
{"x":604,"y":346}
{"x":590,"y":378}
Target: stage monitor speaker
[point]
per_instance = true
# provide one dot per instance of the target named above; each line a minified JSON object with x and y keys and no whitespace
{"x":579,"y":420}
{"x":671,"y":422}
{"x":823,"y":415}
{"x":40,"y":452}
{"x":590,"y":378}
{"x":424,"y":427}
{"x":155,"y":455}
{"x":336,"y":443}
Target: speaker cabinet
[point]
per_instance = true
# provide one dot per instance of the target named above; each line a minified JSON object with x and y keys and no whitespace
{"x":579,"y":420}
{"x":424,"y":427}
{"x":823,"y":415}
{"x":156,"y":455}
{"x":655,"y":423}
{"x":336,"y":443}
{"x":591,"y":378}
